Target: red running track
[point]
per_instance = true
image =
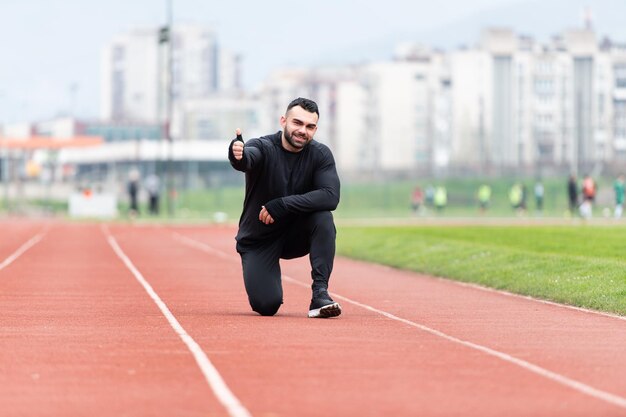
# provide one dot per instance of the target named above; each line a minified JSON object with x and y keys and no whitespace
{"x":125,"y":320}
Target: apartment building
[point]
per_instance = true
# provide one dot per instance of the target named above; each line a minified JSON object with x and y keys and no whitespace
{"x":375,"y":117}
{"x":524,"y":106}
{"x":135,"y":70}
{"x":509,"y":104}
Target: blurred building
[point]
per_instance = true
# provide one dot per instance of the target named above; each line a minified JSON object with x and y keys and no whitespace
{"x":134,"y":71}
{"x":510,"y":104}
{"x":207,"y":105}
{"x":194,"y":161}
{"x":109,"y":131}
{"x":381,"y":118}
{"x":537,"y":107}
{"x":216,"y":117}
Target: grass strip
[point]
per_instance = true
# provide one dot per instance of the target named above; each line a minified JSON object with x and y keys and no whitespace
{"x":581,"y":266}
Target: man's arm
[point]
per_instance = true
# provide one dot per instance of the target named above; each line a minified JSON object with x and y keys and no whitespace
{"x":324,"y":197}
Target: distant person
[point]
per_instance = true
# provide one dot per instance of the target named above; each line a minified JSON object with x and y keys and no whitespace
{"x":572,"y":194}
{"x":417,"y":199}
{"x":291,"y":188}
{"x":430,"y":195}
{"x":440,"y":199}
{"x":589,"y":195}
{"x":539,"y":192}
{"x":133,"y":192}
{"x":484,"y":197}
{"x":618,"y":188}
{"x":515,"y":197}
{"x":153,"y":188}
{"x":524,"y":198}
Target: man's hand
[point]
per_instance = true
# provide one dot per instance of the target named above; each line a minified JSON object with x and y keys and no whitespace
{"x":265,"y":216}
{"x":238,"y":145}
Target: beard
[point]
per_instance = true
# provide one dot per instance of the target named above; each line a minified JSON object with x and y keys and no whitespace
{"x":289,"y":136}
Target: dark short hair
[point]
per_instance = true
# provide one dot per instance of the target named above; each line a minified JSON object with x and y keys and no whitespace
{"x":306,"y":104}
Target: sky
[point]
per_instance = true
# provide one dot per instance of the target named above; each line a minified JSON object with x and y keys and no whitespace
{"x":50,"y":49}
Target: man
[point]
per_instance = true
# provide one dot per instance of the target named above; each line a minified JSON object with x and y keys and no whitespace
{"x":291,"y":188}
{"x":153,"y":187}
{"x":589,"y":195}
{"x":133,"y":192}
{"x":572,"y":194}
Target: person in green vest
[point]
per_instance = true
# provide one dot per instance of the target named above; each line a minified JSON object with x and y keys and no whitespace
{"x":440,"y":198}
{"x":618,"y":187}
{"x":484,"y":197}
{"x":515,"y":196}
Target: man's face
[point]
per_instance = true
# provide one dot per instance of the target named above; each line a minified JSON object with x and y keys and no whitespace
{"x":299,"y":126}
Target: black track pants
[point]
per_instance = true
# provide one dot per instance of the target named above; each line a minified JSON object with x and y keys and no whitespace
{"x":312,"y":234}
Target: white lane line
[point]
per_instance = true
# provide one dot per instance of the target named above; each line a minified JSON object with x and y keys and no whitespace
{"x":203,"y":247}
{"x":529,"y":298}
{"x":504,"y":293}
{"x":579,"y":386}
{"x":192,"y":242}
{"x":29,"y":244}
{"x":561,"y":379}
{"x":212,"y":376}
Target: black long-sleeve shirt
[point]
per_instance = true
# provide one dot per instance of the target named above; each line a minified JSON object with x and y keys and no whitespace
{"x":286,"y":183}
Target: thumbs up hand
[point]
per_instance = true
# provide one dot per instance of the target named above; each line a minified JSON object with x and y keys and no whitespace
{"x":238,"y":145}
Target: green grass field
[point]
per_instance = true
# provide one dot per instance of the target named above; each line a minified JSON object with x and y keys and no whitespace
{"x":380,"y":199}
{"x":392,"y":199}
{"x":581,"y":265}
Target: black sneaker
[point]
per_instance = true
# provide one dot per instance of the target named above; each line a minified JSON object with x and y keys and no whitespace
{"x":322,"y":306}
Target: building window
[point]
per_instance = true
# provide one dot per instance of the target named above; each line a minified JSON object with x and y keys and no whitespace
{"x":620,"y":75}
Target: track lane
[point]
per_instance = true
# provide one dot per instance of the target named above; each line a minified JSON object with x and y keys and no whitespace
{"x":581,"y":345}
{"x":212,"y":376}
{"x":401,"y":370}
{"x":79,"y":336}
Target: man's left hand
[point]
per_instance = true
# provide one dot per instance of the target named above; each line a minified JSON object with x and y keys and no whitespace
{"x":265,"y":216}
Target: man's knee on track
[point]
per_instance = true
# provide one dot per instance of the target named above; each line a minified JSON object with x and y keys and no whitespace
{"x":265,"y":307}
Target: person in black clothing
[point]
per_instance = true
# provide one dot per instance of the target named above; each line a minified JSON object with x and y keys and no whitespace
{"x":291,"y":188}
{"x":133,"y":191}
{"x":572,"y":194}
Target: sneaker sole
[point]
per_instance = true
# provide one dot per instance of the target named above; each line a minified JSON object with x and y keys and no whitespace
{"x":330,"y":310}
